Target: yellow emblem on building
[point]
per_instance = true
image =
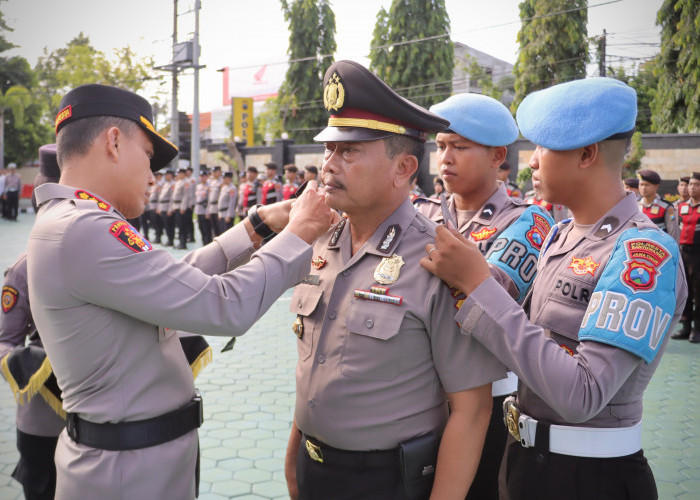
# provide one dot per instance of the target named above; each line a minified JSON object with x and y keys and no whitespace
{"x":388,"y":270}
{"x":334,"y":93}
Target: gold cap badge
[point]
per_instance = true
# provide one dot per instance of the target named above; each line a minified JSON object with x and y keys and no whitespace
{"x":334,"y":93}
{"x":388,"y":270}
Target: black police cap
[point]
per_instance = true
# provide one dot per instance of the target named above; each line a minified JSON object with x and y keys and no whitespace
{"x":632,"y":182}
{"x":48,"y":164}
{"x":364,"y":108}
{"x":649,"y":176}
{"x":685,"y":179}
{"x":695,"y":175}
{"x":504,"y":166}
{"x":228,"y":175}
{"x":102,"y":100}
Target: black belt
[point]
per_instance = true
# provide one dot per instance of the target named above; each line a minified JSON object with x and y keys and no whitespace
{"x":139,"y":433}
{"x":321,"y":452}
{"x":201,"y":203}
{"x":177,"y":201}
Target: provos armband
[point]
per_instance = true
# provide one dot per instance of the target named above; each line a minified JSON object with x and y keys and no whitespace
{"x":635,"y":298}
{"x":517,"y":248}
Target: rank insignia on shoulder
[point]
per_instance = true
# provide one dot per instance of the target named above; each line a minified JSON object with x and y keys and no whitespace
{"x":388,"y":270}
{"x":644,"y":259}
{"x":585,"y":266}
{"x":389,"y":238}
{"x":298,"y":327}
{"x":129,"y":236}
{"x":336,"y":234}
{"x":487,"y":212}
{"x":483,"y":234}
{"x":318,"y":262}
{"x":9,"y":298}
{"x":568,"y":350}
{"x":84,"y":195}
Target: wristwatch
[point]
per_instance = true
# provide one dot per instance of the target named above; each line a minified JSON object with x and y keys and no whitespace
{"x":258,"y":225}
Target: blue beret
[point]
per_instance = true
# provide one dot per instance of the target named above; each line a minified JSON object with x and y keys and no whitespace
{"x":578,"y":113}
{"x":478,"y":118}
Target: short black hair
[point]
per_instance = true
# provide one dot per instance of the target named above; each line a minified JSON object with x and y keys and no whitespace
{"x":75,"y":138}
{"x":396,"y":144}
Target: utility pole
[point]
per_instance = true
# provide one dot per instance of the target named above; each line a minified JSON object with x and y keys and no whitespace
{"x":601,"y":62}
{"x":174,"y":121}
{"x":194,"y":155}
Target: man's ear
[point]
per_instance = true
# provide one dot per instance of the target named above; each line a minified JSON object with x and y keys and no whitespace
{"x":589,"y":155}
{"x":499,"y":156}
{"x":113,"y":142}
{"x":406,"y":167}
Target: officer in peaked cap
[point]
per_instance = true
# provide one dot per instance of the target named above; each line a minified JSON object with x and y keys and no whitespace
{"x":610,"y":289}
{"x":40,"y":418}
{"x":469,"y":155}
{"x":504,"y":176}
{"x":689,"y":213}
{"x":661,"y":212}
{"x":379,"y":353}
{"x":631,"y":184}
{"x":107,"y":304}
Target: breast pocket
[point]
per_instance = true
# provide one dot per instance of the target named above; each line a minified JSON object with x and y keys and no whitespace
{"x":304,"y":304}
{"x":372,"y":349}
{"x":565,"y":306}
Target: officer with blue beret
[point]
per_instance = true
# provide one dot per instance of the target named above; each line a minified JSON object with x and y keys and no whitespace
{"x":108,"y":304}
{"x":469,"y":155}
{"x":609,"y":291}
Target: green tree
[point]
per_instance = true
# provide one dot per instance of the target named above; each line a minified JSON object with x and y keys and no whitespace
{"x":553,"y":45}
{"x":675,"y":105}
{"x":633,"y":159}
{"x":299,"y":104}
{"x":642,"y":79}
{"x":412,"y":50}
{"x":15,"y":100}
{"x":80,"y":63}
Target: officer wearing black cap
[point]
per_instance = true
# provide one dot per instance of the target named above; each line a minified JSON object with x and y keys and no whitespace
{"x":661,"y":212}
{"x":609,"y":291}
{"x":201,"y":196}
{"x":631,"y":184}
{"x":165,"y":198}
{"x":249,"y":192}
{"x":40,"y":418}
{"x":682,"y":189}
{"x":179,"y":206}
{"x":215,"y":182}
{"x":379,"y":353}
{"x":689,"y":213}
{"x":512,"y":188}
{"x":227,"y":202}
{"x":107,"y":304}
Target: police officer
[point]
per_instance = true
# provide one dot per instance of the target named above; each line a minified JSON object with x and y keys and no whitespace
{"x":249,"y":192}
{"x":661,"y":212}
{"x":215,"y":183}
{"x":631,"y":184}
{"x":191,"y":183}
{"x":379,"y":353}
{"x":107,"y":304}
{"x":39,"y":415}
{"x":504,"y":176}
{"x":165,"y":197}
{"x":200,"y":208}
{"x":179,"y":205}
{"x":153,"y":197}
{"x":227,"y":203}
{"x":608,"y":291}
{"x":310,"y":173}
{"x":271,"y":190}
{"x":470,"y":155}
{"x":689,"y":213}
{"x":13,"y":185}
{"x":682,"y":189}
{"x":557,"y":211}
{"x":290,"y":181}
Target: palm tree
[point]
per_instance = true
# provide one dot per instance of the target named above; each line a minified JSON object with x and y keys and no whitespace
{"x":16,"y":99}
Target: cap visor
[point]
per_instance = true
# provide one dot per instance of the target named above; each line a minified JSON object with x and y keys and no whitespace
{"x":350,"y":134}
{"x":163,"y":150}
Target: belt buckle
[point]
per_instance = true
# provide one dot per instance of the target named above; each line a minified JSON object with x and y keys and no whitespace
{"x":511,"y":417}
{"x":200,"y":404}
{"x":314,"y":451}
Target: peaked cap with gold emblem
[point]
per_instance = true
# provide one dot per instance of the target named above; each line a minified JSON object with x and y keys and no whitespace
{"x":103,"y":100}
{"x":364,"y":108}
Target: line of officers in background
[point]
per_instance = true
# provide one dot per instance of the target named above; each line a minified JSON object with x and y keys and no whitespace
{"x":216,"y":200}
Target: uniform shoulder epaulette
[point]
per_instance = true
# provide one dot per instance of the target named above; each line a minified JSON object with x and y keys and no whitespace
{"x":422,"y":199}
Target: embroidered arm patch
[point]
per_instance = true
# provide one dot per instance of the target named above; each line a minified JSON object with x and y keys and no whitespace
{"x":9,"y":298}
{"x":129,"y":236}
{"x":517,"y":248}
{"x":635,"y":298}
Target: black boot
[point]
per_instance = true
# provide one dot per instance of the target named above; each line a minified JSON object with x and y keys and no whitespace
{"x":684,"y":332}
{"x":694,"y":337}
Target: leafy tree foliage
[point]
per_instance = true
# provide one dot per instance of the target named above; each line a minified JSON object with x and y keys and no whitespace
{"x":675,"y":105}
{"x":412,"y":50}
{"x":553,"y":45}
{"x":644,"y":81}
{"x":298,"y":108}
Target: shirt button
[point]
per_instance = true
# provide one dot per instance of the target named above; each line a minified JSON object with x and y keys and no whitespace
{"x":369,"y":323}
{"x":332,"y":315}
{"x":321,"y":359}
{"x":300,"y":303}
{"x":346,"y":272}
{"x":311,"y":403}
{"x":422,"y":229}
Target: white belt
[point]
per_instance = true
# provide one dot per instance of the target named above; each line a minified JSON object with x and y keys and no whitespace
{"x":591,"y":442}
{"x":505,"y":386}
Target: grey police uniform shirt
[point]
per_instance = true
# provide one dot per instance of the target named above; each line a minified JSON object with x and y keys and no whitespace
{"x":201,"y":197}
{"x":98,"y":290}
{"x":154,"y":194}
{"x":227,"y":201}
{"x":214,"y":192}
{"x":562,"y":380}
{"x":165,"y":196}
{"x":181,"y":196}
{"x":670,"y":224}
{"x":372,"y":373}
{"x":16,"y":326}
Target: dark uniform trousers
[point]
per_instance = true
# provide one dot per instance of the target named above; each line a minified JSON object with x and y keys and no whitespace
{"x":157,"y":223}
{"x":215,"y":230}
{"x":190,"y":225}
{"x":485,"y":485}
{"x":146,"y":223}
{"x":182,"y":227}
{"x":136,"y":223}
{"x":691,"y":264}
{"x":350,"y":475}
{"x":223,"y":225}
{"x":12,"y":204}
{"x":36,"y":471}
{"x":169,"y":226}
{"x":535,"y":473}
{"x":205,"y":229}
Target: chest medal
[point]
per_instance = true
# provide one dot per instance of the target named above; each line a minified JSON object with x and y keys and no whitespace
{"x":388,"y":270}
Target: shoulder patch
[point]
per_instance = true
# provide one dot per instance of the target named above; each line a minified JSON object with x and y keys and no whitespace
{"x":517,"y":249}
{"x":129,"y":236}
{"x":84,"y":195}
{"x":9,"y":298}
{"x":635,"y":298}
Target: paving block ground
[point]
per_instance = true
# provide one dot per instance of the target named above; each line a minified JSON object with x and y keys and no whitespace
{"x":249,"y":400}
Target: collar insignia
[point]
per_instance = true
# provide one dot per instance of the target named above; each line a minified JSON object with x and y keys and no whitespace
{"x":84,"y":195}
{"x":483,"y":234}
{"x":487,"y":212}
{"x":388,"y":270}
{"x":334,"y":93}
{"x":608,"y":225}
{"x":337,"y":232}
{"x":389,"y":237}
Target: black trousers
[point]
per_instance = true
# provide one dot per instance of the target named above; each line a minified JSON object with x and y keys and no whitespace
{"x":36,"y":471}
{"x":214,"y":221}
{"x":169,"y":226}
{"x":12,"y":204}
{"x":485,"y":485}
{"x":204,"y":229}
{"x":183,"y":228}
{"x":157,"y":223}
{"x":359,"y":480}
{"x":146,"y":223}
{"x":528,"y":474}
{"x":190,"y":224}
{"x":223,"y":225}
{"x":691,"y":263}
{"x":136,"y":223}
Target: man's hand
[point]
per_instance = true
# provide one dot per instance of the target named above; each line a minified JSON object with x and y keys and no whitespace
{"x":456,"y":260}
{"x":310,"y":217}
{"x":276,"y":215}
